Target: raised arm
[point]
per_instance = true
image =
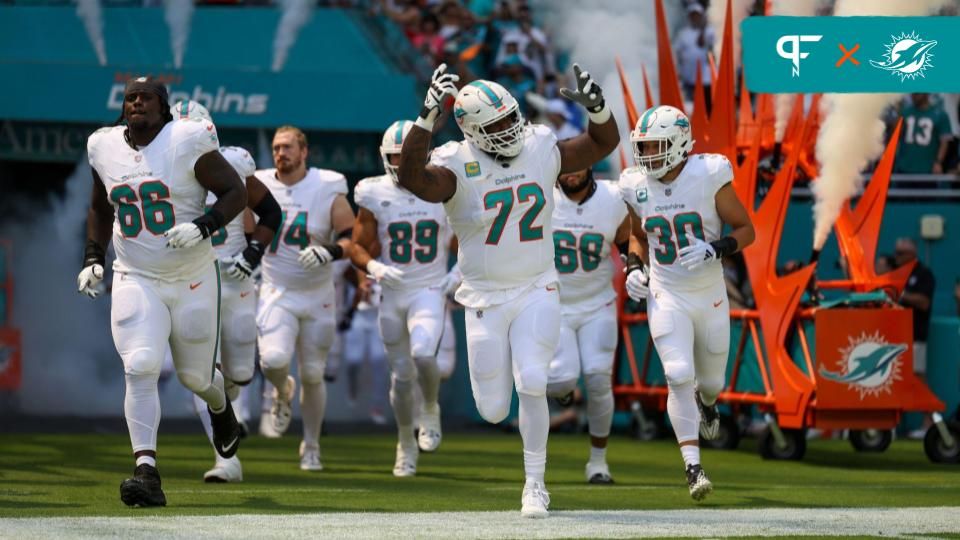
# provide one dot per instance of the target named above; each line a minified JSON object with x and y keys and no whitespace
{"x":602,"y":135}
{"x":99,"y":228}
{"x":430,"y":183}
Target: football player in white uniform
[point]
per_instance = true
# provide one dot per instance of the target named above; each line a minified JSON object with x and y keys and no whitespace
{"x":401,"y":240}
{"x":297,"y":306}
{"x":153,"y":174}
{"x":589,"y":218}
{"x":497,"y":189}
{"x":680,"y":204}
{"x":239,"y":260}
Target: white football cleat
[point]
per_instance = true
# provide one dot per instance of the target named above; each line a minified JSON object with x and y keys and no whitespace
{"x":429,"y":435}
{"x":266,"y":427}
{"x":224,"y":471}
{"x":535,"y":500}
{"x":700,"y":486}
{"x":309,"y":458}
{"x":406,"y":464}
{"x":598,"y":473}
{"x":281,"y":413}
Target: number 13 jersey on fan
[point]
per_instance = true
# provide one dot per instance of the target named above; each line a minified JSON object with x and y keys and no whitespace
{"x":152,"y":189}
{"x":502,"y":216}
{"x":306,"y":219}
{"x":674,"y":212}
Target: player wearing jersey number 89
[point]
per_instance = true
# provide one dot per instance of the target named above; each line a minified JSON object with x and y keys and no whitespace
{"x":153,"y":175}
{"x":239,"y":260}
{"x":402,"y":242}
{"x":679,"y":204}
{"x":297,"y":304}
{"x":496,"y":187}
{"x":589,"y":219}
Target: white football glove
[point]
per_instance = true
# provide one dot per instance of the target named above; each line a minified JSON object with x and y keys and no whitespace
{"x":314,"y":257}
{"x":386,"y":275}
{"x":638,"y":285}
{"x":183,"y":236}
{"x":697,"y":254}
{"x":88,"y":282}
{"x":451,"y":281}
{"x":442,"y":84}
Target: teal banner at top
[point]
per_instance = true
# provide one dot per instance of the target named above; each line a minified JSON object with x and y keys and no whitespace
{"x":851,"y":54}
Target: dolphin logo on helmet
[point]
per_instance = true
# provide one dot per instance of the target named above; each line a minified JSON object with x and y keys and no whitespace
{"x":669,"y":129}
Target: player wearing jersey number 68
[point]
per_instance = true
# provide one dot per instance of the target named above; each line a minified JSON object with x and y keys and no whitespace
{"x":153,"y":175}
{"x":496,"y":187}
{"x":679,"y":205}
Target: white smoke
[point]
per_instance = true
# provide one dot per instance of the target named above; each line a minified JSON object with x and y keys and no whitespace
{"x":178,"y":14}
{"x":851,"y":135}
{"x":598,"y":31}
{"x":783,"y":103}
{"x":717,"y":17}
{"x":296,"y":13}
{"x":92,"y":14}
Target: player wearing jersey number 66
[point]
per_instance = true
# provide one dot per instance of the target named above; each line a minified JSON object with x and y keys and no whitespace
{"x":496,"y":187}
{"x":150,"y":178}
{"x":679,"y":204}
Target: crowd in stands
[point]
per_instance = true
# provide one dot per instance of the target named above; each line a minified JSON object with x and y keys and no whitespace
{"x":494,"y":40}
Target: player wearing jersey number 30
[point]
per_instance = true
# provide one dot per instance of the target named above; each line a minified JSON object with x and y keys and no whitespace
{"x":496,"y":187}
{"x":153,"y":174}
{"x":679,"y":205}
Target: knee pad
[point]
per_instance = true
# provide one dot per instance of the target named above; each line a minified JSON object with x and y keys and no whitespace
{"x":718,"y":336}
{"x":494,"y":411}
{"x":194,"y":381}
{"x":482,"y":348}
{"x":598,"y":384}
{"x":401,"y":388}
{"x":403,"y":367}
{"x":561,"y":388}
{"x":677,"y":368}
{"x":143,"y":362}
{"x":677,"y":364}
{"x":532,"y":380}
{"x":240,"y":328}
{"x":127,"y":309}
{"x":311,"y":370}
{"x":271,"y":358}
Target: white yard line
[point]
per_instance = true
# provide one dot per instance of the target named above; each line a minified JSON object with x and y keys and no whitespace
{"x":581,"y":523}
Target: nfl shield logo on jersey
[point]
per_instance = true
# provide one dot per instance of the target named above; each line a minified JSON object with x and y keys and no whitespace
{"x":641,"y":195}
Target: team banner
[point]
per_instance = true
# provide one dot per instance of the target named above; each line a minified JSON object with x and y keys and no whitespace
{"x":851,"y":54}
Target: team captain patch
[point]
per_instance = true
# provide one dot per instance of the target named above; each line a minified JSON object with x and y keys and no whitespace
{"x":472,"y":169}
{"x":641,"y":195}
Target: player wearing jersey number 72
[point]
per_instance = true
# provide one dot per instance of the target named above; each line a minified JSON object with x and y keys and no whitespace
{"x":496,"y":187}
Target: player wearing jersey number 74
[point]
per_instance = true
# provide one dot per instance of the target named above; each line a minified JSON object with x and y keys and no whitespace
{"x":497,"y":190}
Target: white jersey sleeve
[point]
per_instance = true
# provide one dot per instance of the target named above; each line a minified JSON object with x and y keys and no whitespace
{"x":501,"y":214}
{"x":199,"y":137}
{"x":230,"y":239}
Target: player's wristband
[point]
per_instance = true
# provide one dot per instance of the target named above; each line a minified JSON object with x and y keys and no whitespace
{"x":336,"y":250}
{"x":427,"y":122}
{"x":210,"y":222}
{"x":253,"y":253}
{"x":725,"y":246}
{"x":93,"y":253}
{"x":600,"y":114}
{"x":634,"y":262}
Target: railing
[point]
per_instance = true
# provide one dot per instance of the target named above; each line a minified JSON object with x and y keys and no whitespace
{"x":908,"y":186}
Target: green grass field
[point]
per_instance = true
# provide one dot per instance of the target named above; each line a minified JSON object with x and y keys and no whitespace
{"x":79,"y":475}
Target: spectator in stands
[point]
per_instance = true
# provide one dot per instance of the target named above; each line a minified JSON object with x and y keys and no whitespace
{"x":885,"y":264}
{"x":516,"y":78}
{"x":450,"y":15}
{"x":924,"y":137}
{"x":528,"y":41}
{"x":692,"y":44}
{"x":917,"y":295}
{"x":405,"y":13}
{"x":427,"y":39}
{"x":482,"y":9}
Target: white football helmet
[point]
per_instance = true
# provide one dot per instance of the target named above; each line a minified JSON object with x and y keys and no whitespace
{"x":190,"y":109}
{"x":669,"y":128}
{"x":392,"y":143}
{"x":240,"y":159}
{"x":483,"y":103}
